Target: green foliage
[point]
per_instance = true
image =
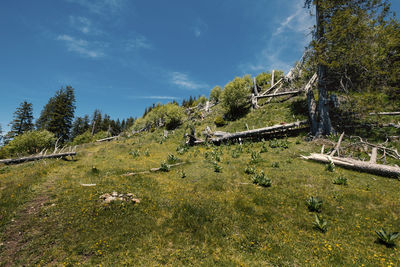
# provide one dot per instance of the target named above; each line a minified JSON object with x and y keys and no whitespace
{"x":100,"y":135}
{"x":386,"y":238}
{"x":314,"y":204}
{"x":172,"y":159}
{"x":219,"y":121}
{"x":330,"y":167}
{"x":217,"y":168}
{"x":31,"y":142}
{"x":275,"y":165}
{"x":94,"y":170}
{"x":235,"y":97}
{"x":215,"y":94}
{"x":84,"y":138}
{"x":170,"y":115}
{"x":261,"y":180}
{"x":22,"y":121}
{"x":282,"y":143}
{"x":255,"y":157}
{"x":183,"y":174}
{"x":341,"y":180}
{"x":164,"y":167}
{"x":58,"y":113}
{"x":250,"y":170}
{"x":135,"y":153}
{"x":264,"y":79}
{"x":147,"y":153}
{"x":320,"y":223}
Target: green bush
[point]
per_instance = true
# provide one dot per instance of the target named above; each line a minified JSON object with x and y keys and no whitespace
{"x":84,"y":138}
{"x":314,"y":204}
{"x":31,"y":142}
{"x":215,"y":94}
{"x":261,"y":180}
{"x":219,"y":121}
{"x":386,"y":238}
{"x":236,"y":96}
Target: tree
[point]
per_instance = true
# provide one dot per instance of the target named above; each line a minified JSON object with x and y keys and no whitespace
{"x":215,"y":94}
{"x":80,"y":126}
{"x":235,"y":97}
{"x":58,"y":114}
{"x":31,"y":142}
{"x":352,"y":46}
{"x":96,"y":121}
{"x":22,"y":121}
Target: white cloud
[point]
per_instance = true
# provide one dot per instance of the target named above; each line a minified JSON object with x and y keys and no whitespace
{"x":100,"y":6}
{"x":84,"y":25}
{"x":199,"y":28}
{"x":82,"y":47}
{"x":299,"y":21}
{"x":183,"y":81}
{"x":139,"y":42}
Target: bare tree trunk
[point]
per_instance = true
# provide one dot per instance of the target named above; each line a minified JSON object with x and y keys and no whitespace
{"x":312,"y":111}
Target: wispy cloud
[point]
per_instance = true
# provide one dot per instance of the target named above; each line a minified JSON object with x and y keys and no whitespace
{"x":290,"y":36}
{"x":100,"y":6}
{"x":138,"y":42}
{"x":82,"y":47}
{"x":183,"y":81}
{"x":84,"y":25}
{"x":199,"y":28}
{"x":157,"y":97}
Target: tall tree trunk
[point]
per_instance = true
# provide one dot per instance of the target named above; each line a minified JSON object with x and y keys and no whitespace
{"x":324,"y":126}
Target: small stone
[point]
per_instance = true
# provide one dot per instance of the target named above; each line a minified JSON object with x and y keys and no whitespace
{"x":114,"y":194}
{"x":109,"y":199}
{"x":104,"y":196}
{"x":135,"y":200}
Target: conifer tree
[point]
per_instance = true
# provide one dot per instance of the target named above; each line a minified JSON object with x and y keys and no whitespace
{"x":22,"y":121}
{"x":58,"y":114}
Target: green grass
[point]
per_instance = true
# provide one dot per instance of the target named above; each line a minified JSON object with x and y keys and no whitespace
{"x":208,"y":218}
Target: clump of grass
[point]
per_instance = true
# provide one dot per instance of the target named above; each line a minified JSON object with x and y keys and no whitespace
{"x":341,"y":180}
{"x":262,"y":180}
{"x":182,"y":149}
{"x":164,"y":167}
{"x":250,"y":170}
{"x":275,"y":165}
{"x":330,"y":167}
{"x":147,"y":153}
{"x":314,"y":204}
{"x":275,"y":143}
{"x":217,"y":168}
{"x":320,"y":223}
{"x":386,"y":238}
{"x":183,"y":174}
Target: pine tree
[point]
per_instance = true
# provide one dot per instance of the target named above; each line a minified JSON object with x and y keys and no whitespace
{"x":80,"y":126}
{"x":58,"y":114}
{"x":22,"y":120}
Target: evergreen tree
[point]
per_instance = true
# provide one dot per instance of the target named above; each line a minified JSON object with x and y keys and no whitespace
{"x":58,"y":114}
{"x":80,"y":126}
{"x":96,"y":121}
{"x":22,"y":121}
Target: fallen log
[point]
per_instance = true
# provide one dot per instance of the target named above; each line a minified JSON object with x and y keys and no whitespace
{"x":362,"y":166}
{"x":278,"y":94}
{"x":153,"y":169}
{"x":395,"y":113}
{"x":258,"y":132}
{"x":37,"y":157}
{"x":107,"y":139}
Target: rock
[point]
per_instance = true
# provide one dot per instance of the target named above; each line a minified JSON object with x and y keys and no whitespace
{"x":114,"y":194}
{"x":109,"y":199}
{"x":135,"y":200}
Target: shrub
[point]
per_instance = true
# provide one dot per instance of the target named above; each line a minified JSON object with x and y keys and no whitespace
{"x":330,"y":167}
{"x":164,"y":167}
{"x":215,"y":94}
{"x":217,"y":168}
{"x":320,"y":224}
{"x":219,"y":121}
{"x":84,"y":138}
{"x":31,"y":142}
{"x":235,"y":97}
{"x":250,"y":170}
{"x":340,"y":180}
{"x":261,"y":180}
{"x":255,"y":157}
{"x":314,"y":204}
{"x":386,"y":238}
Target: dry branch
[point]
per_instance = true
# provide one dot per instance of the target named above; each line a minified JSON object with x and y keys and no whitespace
{"x":278,"y":94}
{"x":107,"y":139}
{"x":38,"y":157}
{"x":379,"y":169}
{"x":337,"y":147}
{"x":395,"y":113}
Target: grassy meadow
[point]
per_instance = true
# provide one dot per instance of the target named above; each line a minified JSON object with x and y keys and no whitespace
{"x":206,"y":212}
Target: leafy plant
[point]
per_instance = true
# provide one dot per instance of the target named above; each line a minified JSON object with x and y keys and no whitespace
{"x":217,"y":168}
{"x":235,"y":97}
{"x":386,"y":238}
{"x":314,"y":204}
{"x":264,"y":148}
{"x":219,"y":121}
{"x":183,"y":174}
{"x":320,"y":223}
{"x":275,"y":165}
{"x":172,"y":159}
{"x":147,"y":153}
{"x":164,"y":167}
{"x":135,"y":153}
{"x":255,"y":157}
{"x":95,"y":170}
{"x":261,"y":180}
{"x":275,"y":143}
{"x":330,"y":167}
{"x":341,"y":180}
{"x":250,"y":170}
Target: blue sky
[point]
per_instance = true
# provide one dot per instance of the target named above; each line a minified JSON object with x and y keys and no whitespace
{"x":123,"y":55}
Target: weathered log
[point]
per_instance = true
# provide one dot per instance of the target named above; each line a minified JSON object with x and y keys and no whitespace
{"x":153,"y":169}
{"x":363,"y":166}
{"x":279,"y":94}
{"x":374,"y":155}
{"x":37,"y":157}
{"x":258,"y":132}
{"x":107,"y":139}
{"x":395,"y":113}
